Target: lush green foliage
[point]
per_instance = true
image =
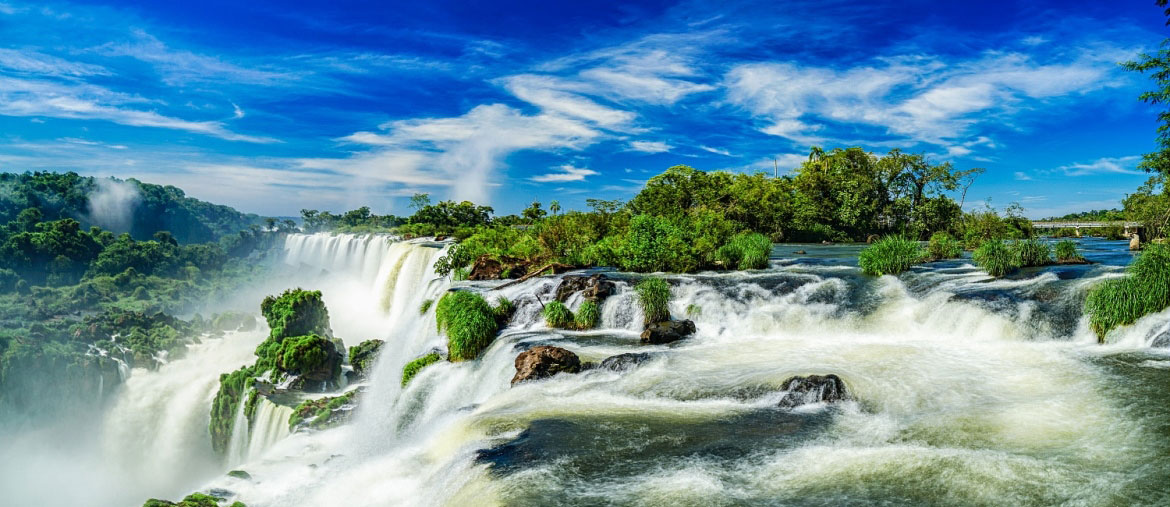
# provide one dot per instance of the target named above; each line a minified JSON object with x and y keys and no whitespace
{"x":304,"y":353}
{"x":1032,"y":252}
{"x":232,"y":387}
{"x":986,"y":224}
{"x":1097,"y":215}
{"x":890,"y":255}
{"x":996,"y":257}
{"x":694,"y":311}
{"x":943,"y":246}
{"x":557,"y":315}
{"x":587,"y":316}
{"x":654,"y":298}
{"x":318,"y":412}
{"x":296,"y":312}
{"x":426,"y":305}
{"x":1144,"y":290}
{"x":470,"y":322}
{"x":412,"y":368}
{"x":192,"y":500}
{"x":1066,"y":251}
{"x":745,"y":251}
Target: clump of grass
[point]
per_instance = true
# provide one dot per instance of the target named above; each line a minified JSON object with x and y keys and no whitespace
{"x":943,"y":246}
{"x":426,"y":305}
{"x":654,"y":297}
{"x":1122,"y":301}
{"x":996,"y":257}
{"x":504,"y":310}
{"x":470,"y":323}
{"x":1032,"y":252}
{"x":1066,"y":251}
{"x":587,"y":316}
{"x":747,"y":250}
{"x":890,"y":255}
{"x":412,"y":368}
{"x":557,"y":315}
{"x":694,"y":310}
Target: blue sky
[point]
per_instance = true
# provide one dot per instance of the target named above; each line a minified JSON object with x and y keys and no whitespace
{"x":276,"y":106}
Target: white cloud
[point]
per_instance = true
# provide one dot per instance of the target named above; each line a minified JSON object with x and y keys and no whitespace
{"x":33,"y":62}
{"x":1116,"y":165}
{"x":549,"y":94}
{"x":1022,"y":176}
{"x":237,"y":113}
{"x":181,"y":66}
{"x":717,"y":151}
{"x":565,"y":173}
{"x":650,"y":146}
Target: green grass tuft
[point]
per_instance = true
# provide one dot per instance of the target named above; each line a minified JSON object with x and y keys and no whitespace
{"x":470,"y":323}
{"x":745,"y":251}
{"x":426,"y":305}
{"x":943,"y":246}
{"x":1032,"y":252}
{"x":504,"y":310}
{"x":1066,"y":251}
{"x":654,"y":297}
{"x":996,"y":257}
{"x":412,"y":368}
{"x":890,"y":255}
{"x":694,"y":310}
{"x":1122,"y":301}
{"x":587,"y":316}
{"x":557,"y":315}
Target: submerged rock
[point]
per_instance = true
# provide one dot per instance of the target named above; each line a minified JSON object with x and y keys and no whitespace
{"x":543,"y":362}
{"x":240,"y":474}
{"x":624,"y":362}
{"x":667,"y":331}
{"x":1162,"y":340}
{"x":813,"y":389}
{"x":594,"y":288}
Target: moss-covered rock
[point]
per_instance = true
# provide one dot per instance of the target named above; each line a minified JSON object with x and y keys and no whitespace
{"x":362,"y":356}
{"x":412,"y":368}
{"x":192,"y":500}
{"x":232,"y":387}
{"x":240,"y":474}
{"x":296,"y":312}
{"x":311,"y":357}
{"x":323,"y":413}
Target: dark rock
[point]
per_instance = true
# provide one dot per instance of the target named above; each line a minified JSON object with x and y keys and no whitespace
{"x":623,"y":362}
{"x":363,"y":355}
{"x":800,"y":252}
{"x":487,"y":267}
{"x":1162,"y":340}
{"x":543,"y":362}
{"x":871,"y":238}
{"x":813,"y":389}
{"x":594,"y":288}
{"x":667,"y":331}
{"x":240,"y":474}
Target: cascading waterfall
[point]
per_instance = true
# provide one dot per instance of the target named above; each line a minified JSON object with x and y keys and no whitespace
{"x":270,"y":425}
{"x":238,"y":445}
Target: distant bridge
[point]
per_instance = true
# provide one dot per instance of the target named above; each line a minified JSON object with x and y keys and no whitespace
{"x":1087,"y":225}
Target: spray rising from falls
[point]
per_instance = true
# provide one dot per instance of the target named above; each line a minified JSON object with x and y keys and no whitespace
{"x":964,"y":390}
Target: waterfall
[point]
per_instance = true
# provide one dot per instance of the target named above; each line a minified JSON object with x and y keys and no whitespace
{"x":238,"y":445}
{"x":270,"y":425}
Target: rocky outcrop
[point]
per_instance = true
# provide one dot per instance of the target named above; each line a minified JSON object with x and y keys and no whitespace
{"x":324,"y":413}
{"x":1162,"y":340}
{"x":362,"y":357}
{"x":667,"y":331}
{"x":624,"y":362}
{"x":543,"y":362}
{"x":594,"y":288}
{"x":813,"y":389}
{"x":487,"y":267}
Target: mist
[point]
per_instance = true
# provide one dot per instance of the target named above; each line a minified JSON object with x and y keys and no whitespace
{"x":112,"y":204}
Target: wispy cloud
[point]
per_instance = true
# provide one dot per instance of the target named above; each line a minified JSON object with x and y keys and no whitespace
{"x":650,"y":146}
{"x":717,"y":151}
{"x":37,"y":63}
{"x":564,"y":173}
{"x":1022,"y":176}
{"x":1108,"y":165}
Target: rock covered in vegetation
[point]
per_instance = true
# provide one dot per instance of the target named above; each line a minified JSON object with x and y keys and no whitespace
{"x":813,"y":389}
{"x":667,"y":331}
{"x":296,"y":312}
{"x":315,"y":360}
{"x":324,"y":413}
{"x":488,"y":268}
{"x":362,"y":356}
{"x":594,"y":288}
{"x":624,"y":362}
{"x":470,"y":322}
{"x":192,"y":500}
{"x":543,"y":362}
{"x":412,"y":368}
{"x":240,"y":474}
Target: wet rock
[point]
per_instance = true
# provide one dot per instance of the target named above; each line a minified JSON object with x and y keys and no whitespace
{"x":624,"y":362}
{"x":487,"y":267}
{"x":1162,"y":340}
{"x":594,"y":288}
{"x":326,"y":412}
{"x":667,"y":331}
{"x":240,"y":474}
{"x":543,"y":362}
{"x":363,"y":355}
{"x":813,"y":389}
{"x":800,"y":252}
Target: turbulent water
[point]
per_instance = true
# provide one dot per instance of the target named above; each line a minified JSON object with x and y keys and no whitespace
{"x":966,"y":391}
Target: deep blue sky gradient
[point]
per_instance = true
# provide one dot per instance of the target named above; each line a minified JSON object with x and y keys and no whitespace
{"x":275,"y":106}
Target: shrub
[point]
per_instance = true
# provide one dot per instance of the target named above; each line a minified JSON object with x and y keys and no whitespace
{"x":588,"y":316}
{"x":943,"y":246}
{"x":296,"y":312}
{"x":655,"y":243}
{"x":557,"y":315}
{"x":654,"y":297}
{"x":412,"y":368}
{"x":503,"y":311}
{"x":304,"y":353}
{"x":426,"y":305}
{"x":1032,"y":252}
{"x":995,"y":257}
{"x":745,"y":251}
{"x":1066,"y":251}
{"x":890,"y":256}
{"x":1145,"y":290}
{"x":470,"y":323}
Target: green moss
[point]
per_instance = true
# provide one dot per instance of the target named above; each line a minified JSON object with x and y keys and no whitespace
{"x":890,"y":255}
{"x":321,"y":413}
{"x":943,"y":246}
{"x":745,"y":251}
{"x":426,"y":305}
{"x":654,"y":297}
{"x":995,"y":257}
{"x":504,"y":310}
{"x":1122,"y":301}
{"x":1066,"y":251}
{"x":412,"y":368}
{"x":223,"y":408}
{"x":192,"y":500}
{"x":557,"y":315}
{"x":694,"y":310}
{"x":587,"y":316}
{"x":240,"y":474}
{"x":362,"y":356}
{"x":1032,"y":252}
{"x":470,"y":323}
{"x":300,"y":354}
{"x":296,"y":312}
